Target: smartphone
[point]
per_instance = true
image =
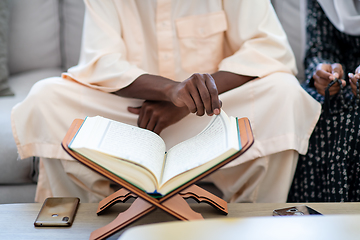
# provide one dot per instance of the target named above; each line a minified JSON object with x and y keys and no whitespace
{"x":57,"y":212}
{"x":296,"y":211}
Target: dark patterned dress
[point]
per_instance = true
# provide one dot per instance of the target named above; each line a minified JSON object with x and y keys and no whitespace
{"x":330,"y":171}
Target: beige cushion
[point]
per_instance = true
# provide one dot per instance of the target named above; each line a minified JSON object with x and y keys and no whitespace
{"x":4,"y":16}
{"x":72,"y":20}
{"x":34,"y":37}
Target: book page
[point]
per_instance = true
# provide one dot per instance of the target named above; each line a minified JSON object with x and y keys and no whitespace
{"x":212,"y":142}
{"x":124,"y":141}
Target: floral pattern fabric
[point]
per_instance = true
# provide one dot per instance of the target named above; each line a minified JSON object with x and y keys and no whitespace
{"x":330,"y":171}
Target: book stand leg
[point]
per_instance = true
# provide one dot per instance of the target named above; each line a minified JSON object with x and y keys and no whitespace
{"x":138,"y":209}
{"x":201,"y":195}
{"x":176,"y":206}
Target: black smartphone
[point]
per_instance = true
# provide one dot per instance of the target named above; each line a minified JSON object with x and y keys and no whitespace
{"x":296,"y":211}
{"x":57,"y":212}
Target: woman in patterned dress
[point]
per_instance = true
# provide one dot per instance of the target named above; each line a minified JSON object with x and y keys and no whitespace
{"x":330,"y":171}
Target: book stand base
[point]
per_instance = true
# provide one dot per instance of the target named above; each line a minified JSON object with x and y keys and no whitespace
{"x":176,"y":206}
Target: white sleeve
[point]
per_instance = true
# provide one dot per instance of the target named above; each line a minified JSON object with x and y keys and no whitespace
{"x":103,"y":64}
{"x":257,"y":41}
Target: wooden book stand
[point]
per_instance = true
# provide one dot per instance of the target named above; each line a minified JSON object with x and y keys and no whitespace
{"x":173,"y":202}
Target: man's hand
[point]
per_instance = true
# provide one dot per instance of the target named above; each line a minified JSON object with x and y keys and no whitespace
{"x":158,"y":115}
{"x":353,"y":79}
{"x":325,"y":73}
{"x":198,"y":93}
{"x":168,"y":101}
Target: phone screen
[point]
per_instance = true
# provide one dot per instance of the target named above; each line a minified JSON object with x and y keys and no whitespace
{"x":57,"y":212}
{"x":296,"y":211}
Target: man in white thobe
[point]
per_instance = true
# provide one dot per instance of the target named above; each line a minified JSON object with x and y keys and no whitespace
{"x":166,"y":65}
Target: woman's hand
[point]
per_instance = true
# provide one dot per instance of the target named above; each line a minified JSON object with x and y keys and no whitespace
{"x":353,"y":79}
{"x":325,"y":73}
{"x":198,"y":93}
{"x":158,"y":115}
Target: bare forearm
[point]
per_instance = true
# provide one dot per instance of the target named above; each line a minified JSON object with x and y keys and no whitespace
{"x":226,"y":81}
{"x":199,"y":93}
{"x":156,"y":88}
{"x":148,"y":87}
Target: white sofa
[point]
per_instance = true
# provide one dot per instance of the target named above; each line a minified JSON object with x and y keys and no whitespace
{"x":44,"y":40}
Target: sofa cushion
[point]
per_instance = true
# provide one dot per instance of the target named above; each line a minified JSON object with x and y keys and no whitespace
{"x":291,"y":14}
{"x":4,"y":17}
{"x":24,"y":193}
{"x":34,"y":40}
{"x":13,"y":170}
{"x":72,"y":21}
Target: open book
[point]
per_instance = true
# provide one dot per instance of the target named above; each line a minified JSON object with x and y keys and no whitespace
{"x":139,"y":156}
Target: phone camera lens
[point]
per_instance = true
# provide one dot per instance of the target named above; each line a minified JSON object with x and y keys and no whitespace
{"x":292,"y":210}
{"x":65,"y":219}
